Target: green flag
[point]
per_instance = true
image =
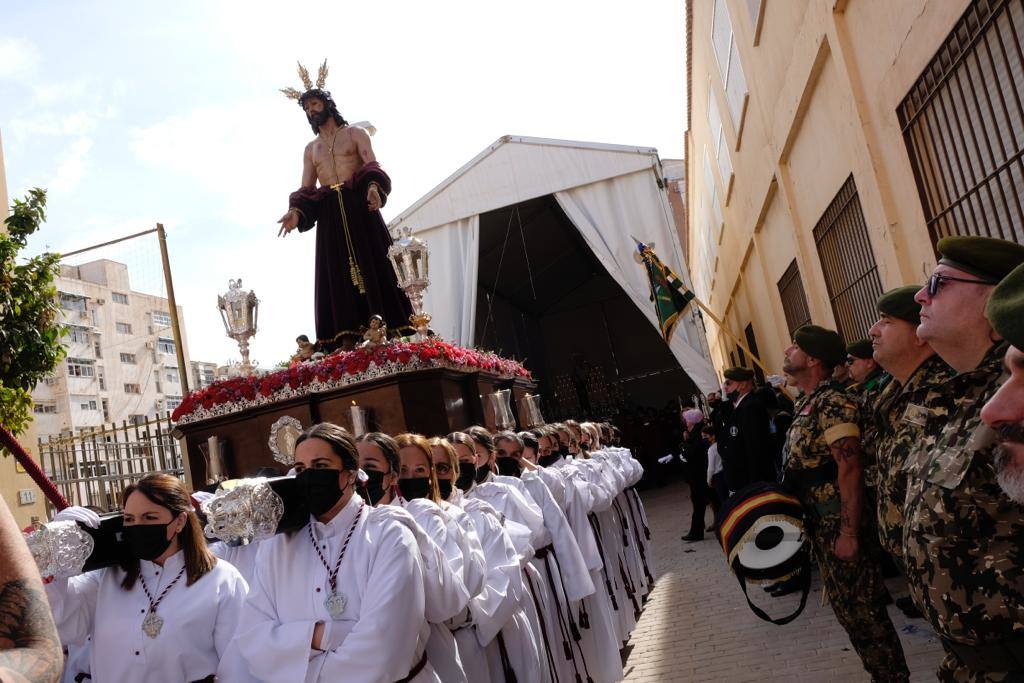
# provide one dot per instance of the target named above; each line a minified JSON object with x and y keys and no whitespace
{"x":669,"y":294}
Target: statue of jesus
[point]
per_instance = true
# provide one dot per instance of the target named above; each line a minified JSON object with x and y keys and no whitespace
{"x":354,"y":279}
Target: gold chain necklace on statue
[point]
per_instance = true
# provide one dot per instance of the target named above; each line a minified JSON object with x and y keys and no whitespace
{"x":353,"y":267}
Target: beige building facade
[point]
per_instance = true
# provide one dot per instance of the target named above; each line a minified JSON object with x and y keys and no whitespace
{"x":831,"y":143}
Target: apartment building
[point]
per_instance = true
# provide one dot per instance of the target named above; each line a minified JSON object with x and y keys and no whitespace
{"x":121,"y":363}
{"x":831,"y":143}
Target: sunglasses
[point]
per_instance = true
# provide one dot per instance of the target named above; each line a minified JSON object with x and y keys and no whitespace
{"x":936,"y":280}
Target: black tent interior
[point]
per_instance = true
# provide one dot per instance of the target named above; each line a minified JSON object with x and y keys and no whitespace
{"x":544,"y":297}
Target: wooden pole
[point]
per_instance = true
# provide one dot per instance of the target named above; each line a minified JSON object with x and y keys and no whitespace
{"x":179,"y":348}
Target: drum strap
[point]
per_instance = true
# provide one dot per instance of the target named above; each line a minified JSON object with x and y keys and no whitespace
{"x":805,"y":589}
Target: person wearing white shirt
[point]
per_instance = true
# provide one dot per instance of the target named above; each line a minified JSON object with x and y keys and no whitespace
{"x":169,"y":611}
{"x":343,"y":597}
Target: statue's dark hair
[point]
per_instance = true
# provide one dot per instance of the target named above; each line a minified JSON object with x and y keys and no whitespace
{"x":325,"y":97}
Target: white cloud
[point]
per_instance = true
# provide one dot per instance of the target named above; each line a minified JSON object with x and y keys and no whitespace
{"x":18,"y":59}
{"x":72,"y":166}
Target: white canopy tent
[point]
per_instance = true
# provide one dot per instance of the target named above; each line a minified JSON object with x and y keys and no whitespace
{"x":608,"y":192}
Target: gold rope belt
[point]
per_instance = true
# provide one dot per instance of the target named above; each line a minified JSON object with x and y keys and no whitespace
{"x":353,"y":268}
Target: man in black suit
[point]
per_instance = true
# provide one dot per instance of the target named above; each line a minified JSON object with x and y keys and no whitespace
{"x":746,"y":443}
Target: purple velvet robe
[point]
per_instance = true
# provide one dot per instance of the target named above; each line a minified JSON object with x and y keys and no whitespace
{"x":341,"y":310}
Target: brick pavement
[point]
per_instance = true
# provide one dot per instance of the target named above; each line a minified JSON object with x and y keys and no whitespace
{"x":697,"y":627}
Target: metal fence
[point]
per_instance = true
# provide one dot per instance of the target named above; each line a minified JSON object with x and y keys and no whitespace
{"x":95,"y":466}
{"x":963,"y":124}
{"x":848,"y":263}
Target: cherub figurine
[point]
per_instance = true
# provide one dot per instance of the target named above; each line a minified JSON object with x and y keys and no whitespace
{"x":376,"y":335}
{"x":306,"y":349}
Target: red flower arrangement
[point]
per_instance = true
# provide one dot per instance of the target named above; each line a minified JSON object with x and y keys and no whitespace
{"x":336,"y":367}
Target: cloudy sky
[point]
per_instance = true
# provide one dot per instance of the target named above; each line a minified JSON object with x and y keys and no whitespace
{"x":131,"y":113}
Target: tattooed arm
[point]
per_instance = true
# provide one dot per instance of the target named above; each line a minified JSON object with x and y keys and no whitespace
{"x":847,"y":454}
{"x":29,"y":648}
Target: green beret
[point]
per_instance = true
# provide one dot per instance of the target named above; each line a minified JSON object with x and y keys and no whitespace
{"x":1005,"y":308}
{"x":820,"y":343}
{"x":984,"y":257}
{"x":860,"y":349}
{"x":739,"y":374}
{"x":899,"y":303}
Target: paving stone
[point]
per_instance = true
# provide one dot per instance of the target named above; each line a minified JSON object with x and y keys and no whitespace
{"x":696,"y":625}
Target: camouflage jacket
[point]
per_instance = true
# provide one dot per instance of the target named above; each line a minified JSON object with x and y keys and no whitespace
{"x":866,"y":395}
{"x":900,"y":416}
{"x":820,"y":418}
{"x":963,"y":539}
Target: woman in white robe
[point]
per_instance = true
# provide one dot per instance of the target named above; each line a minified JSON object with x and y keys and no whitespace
{"x":340,"y":599}
{"x":505,"y":617}
{"x":169,"y":611}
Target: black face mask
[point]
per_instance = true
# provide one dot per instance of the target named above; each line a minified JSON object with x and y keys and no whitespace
{"x":414,"y":487}
{"x":481,"y":473}
{"x":467,"y":472}
{"x":509,"y":467}
{"x":146,"y":541}
{"x":444,"y":487}
{"x":320,"y":489}
{"x":563,"y":450}
{"x":374,"y":486}
{"x":548,"y":460}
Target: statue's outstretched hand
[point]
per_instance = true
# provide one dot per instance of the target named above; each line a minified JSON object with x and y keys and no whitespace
{"x":373,"y":198}
{"x":288,"y":222}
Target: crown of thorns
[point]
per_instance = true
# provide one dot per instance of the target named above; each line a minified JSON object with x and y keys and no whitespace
{"x":307,"y":83}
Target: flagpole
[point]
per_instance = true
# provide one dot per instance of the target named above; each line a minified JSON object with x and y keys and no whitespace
{"x":721,"y":325}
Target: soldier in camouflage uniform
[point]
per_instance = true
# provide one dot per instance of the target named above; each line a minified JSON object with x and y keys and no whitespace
{"x":823,"y":469}
{"x":1004,"y":412}
{"x":902,"y":408}
{"x":963,"y":539}
{"x":869,"y":380}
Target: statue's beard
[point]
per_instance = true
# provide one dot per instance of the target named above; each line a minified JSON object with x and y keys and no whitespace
{"x":1009,"y":461}
{"x":319,"y":118}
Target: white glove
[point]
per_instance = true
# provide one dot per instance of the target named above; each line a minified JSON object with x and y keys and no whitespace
{"x":76,"y":513}
{"x":666,"y":460}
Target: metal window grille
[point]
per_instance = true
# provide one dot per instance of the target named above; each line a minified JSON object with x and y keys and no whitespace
{"x":794,"y":301}
{"x":848,"y":263}
{"x":963,"y":124}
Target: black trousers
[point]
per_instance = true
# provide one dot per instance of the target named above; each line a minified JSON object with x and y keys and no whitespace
{"x":699,"y":495}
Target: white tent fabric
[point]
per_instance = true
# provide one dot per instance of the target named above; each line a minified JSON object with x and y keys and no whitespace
{"x":608,"y":191}
{"x":606,"y":213}
{"x":451,"y":297}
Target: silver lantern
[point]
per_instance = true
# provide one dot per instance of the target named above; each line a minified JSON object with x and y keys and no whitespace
{"x":411,"y":260}
{"x":240,"y":312}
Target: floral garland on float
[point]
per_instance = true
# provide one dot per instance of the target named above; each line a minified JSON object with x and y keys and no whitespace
{"x":338,"y":370}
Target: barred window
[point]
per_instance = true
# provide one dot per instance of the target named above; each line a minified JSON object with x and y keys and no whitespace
{"x":794,"y":300}
{"x":161,"y":318}
{"x":848,"y":263}
{"x":963,"y":125}
{"x":124,"y":328}
{"x":78,"y":335}
{"x":128,"y":358}
{"x":164,"y":345}
{"x":131,"y":389}
{"x":119,"y":298}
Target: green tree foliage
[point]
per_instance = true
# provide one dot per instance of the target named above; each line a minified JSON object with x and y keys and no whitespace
{"x":30,"y":330}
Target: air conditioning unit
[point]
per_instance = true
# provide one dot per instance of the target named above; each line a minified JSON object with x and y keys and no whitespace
{"x":101,"y":301}
{"x":150,"y":345}
{"x":159,"y":404}
{"x":84,"y":315}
